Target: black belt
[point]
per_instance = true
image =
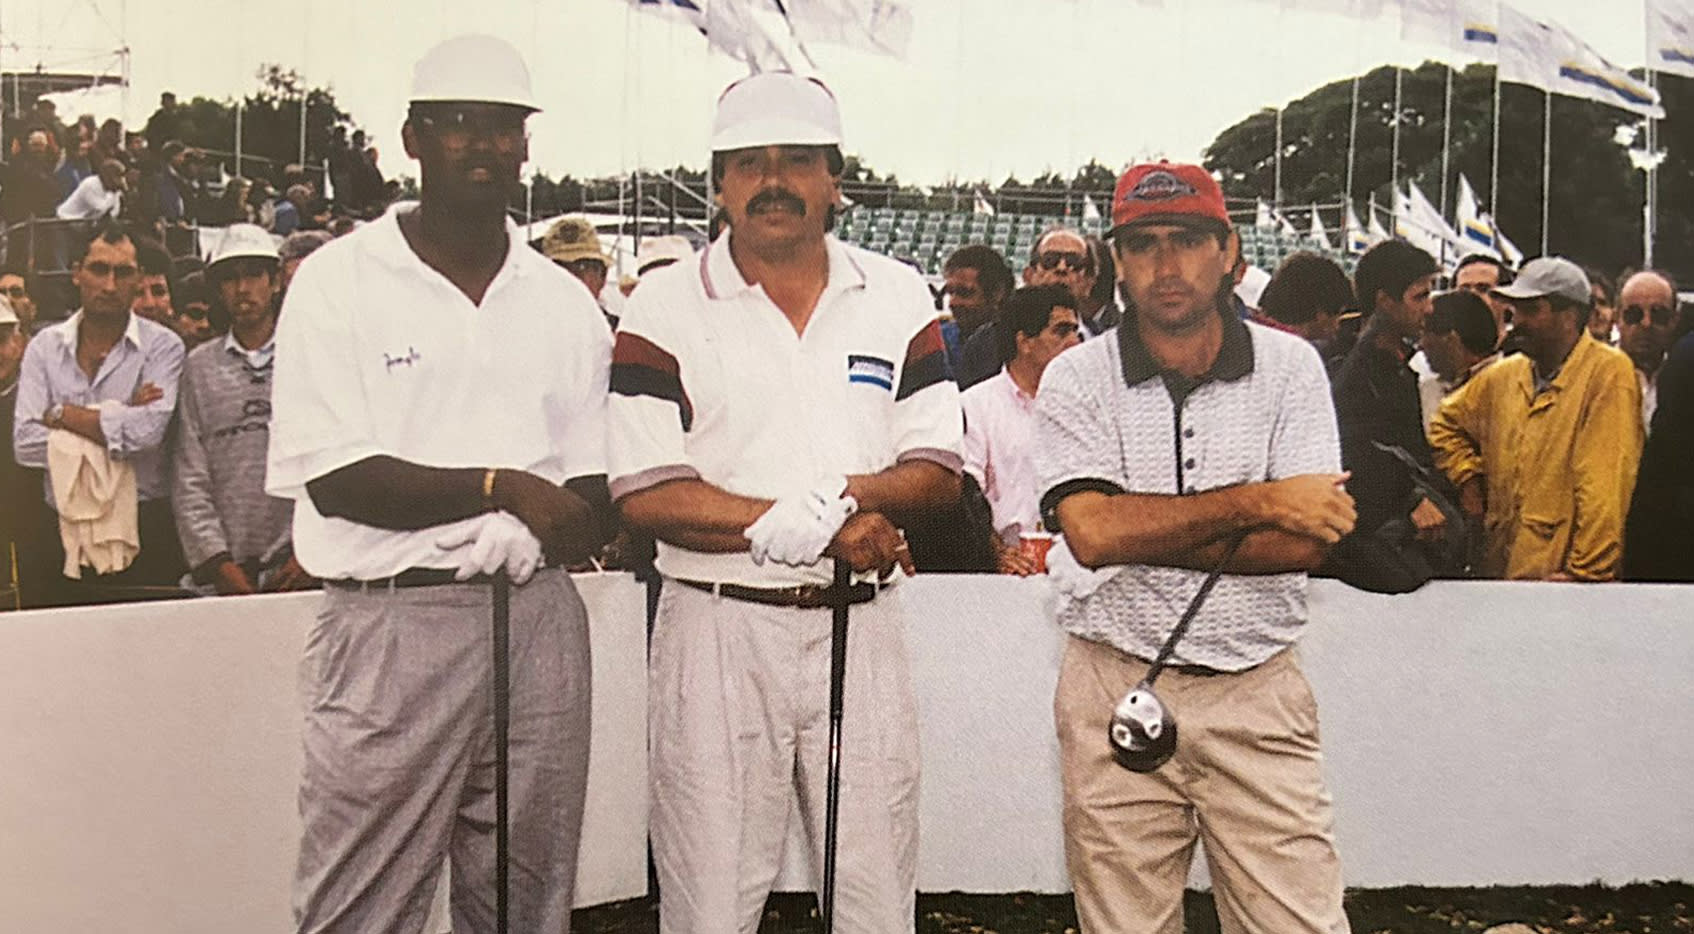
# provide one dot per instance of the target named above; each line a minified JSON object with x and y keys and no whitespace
{"x":800,"y":596}
{"x":411,"y":577}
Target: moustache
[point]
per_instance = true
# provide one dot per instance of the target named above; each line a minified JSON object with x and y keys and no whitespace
{"x":776,"y":197}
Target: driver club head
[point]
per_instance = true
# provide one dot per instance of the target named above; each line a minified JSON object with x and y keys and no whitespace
{"x":1143,"y":732}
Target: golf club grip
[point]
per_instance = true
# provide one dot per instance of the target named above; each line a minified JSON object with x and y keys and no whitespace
{"x":502,"y":724}
{"x":1193,"y":610}
{"x":837,"y":692}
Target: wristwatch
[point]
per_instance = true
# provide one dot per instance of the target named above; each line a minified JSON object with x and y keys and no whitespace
{"x":55,"y":416}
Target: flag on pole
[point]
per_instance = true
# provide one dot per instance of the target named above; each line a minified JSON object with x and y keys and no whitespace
{"x":880,"y":26}
{"x":1412,"y":224}
{"x":1090,"y":210}
{"x":981,"y":206}
{"x":1469,"y":27}
{"x":689,"y":12}
{"x":1508,"y":250}
{"x":1262,"y":215}
{"x":1319,"y":235}
{"x":1356,"y":240}
{"x":1375,"y":233}
{"x":1476,"y":234}
{"x":1552,"y":58}
{"x":1670,"y":37}
{"x":755,"y":32}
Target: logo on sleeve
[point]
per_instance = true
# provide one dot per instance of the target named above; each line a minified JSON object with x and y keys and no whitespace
{"x":873,"y":370}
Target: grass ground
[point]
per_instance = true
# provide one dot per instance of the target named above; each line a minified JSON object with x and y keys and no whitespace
{"x":1644,"y":908}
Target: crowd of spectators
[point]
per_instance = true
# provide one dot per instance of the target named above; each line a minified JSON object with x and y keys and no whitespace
{"x":162,"y":186}
{"x":1494,"y":421}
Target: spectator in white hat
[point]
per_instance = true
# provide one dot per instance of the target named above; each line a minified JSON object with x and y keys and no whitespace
{"x":439,"y":420}
{"x":782,"y":399}
{"x":235,"y":537}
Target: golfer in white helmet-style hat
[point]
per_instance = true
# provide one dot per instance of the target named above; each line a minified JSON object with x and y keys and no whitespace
{"x":439,"y":419}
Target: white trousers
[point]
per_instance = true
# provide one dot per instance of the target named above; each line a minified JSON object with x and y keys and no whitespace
{"x":738,"y":708}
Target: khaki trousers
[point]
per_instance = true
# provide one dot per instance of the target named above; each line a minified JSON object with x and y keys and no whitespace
{"x":738,"y":707}
{"x":399,"y":757}
{"x":1246,"y":778}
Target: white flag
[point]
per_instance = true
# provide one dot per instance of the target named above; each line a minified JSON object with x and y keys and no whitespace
{"x":690,"y":12}
{"x":981,"y":206}
{"x":1412,"y":226}
{"x":756,"y":32}
{"x":1469,"y":27}
{"x":1552,"y":58}
{"x":1356,"y":239}
{"x":1508,"y":250}
{"x":881,"y":26}
{"x":1374,"y":232}
{"x":1670,"y":36}
{"x":1262,"y":216}
{"x":1476,"y":235}
{"x":1090,"y":210}
{"x":1319,"y":235}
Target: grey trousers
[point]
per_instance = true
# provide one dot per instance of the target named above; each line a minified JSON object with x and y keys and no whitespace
{"x":399,"y":757}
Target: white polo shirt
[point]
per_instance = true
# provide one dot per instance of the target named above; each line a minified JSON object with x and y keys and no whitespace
{"x":379,"y":354}
{"x":710,"y":381}
{"x":1107,"y":419}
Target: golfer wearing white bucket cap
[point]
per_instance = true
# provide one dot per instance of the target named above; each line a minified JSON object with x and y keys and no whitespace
{"x":780,"y":398}
{"x":439,"y":423}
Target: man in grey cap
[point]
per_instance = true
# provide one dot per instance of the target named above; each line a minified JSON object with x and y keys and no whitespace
{"x":1544,"y":445}
{"x":782,"y":398}
{"x":439,"y":420}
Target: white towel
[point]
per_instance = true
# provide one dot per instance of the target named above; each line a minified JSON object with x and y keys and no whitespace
{"x":97,"y":503}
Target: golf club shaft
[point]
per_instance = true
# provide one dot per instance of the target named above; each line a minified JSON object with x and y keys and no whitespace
{"x":837,"y":684}
{"x":502,"y":724}
{"x":1193,"y":610}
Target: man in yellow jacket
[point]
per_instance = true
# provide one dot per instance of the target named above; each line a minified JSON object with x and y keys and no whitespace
{"x":1544,"y":445}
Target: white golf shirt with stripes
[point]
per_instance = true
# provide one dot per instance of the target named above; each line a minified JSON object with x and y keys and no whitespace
{"x":710,"y":381}
{"x":1109,"y":420}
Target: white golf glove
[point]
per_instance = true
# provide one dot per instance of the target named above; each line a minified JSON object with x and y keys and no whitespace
{"x":500,"y":540}
{"x":796,"y":529}
{"x":1070,"y":576}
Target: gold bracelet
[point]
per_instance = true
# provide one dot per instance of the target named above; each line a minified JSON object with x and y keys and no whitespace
{"x":488,"y":488}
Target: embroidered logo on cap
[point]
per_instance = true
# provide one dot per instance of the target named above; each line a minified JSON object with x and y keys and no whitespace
{"x":1160,"y":186}
{"x":873,"y":370}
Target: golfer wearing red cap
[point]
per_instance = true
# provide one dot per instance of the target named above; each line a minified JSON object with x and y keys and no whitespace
{"x":1157,"y":447}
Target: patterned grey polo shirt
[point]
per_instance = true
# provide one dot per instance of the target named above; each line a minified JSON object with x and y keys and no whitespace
{"x":1107,"y":419}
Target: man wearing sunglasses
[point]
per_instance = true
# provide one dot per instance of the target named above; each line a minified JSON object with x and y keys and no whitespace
{"x":438,"y":419}
{"x":1062,"y":257}
{"x":109,"y":376}
{"x":1646,"y":319}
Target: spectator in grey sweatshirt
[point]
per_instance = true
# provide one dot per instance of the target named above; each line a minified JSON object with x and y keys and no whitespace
{"x":235,"y":537}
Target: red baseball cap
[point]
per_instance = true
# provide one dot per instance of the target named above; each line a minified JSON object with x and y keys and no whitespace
{"x":1167,"y":193}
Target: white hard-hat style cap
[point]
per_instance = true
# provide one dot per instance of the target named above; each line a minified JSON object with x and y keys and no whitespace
{"x":474,"y":68}
{"x":776,"y":108}
{"x":244,"y":240}
{"x":1549,"y":275}
{"x":656,"y":251}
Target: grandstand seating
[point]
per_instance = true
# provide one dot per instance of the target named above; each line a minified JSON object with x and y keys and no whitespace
{"x":928,"y":237}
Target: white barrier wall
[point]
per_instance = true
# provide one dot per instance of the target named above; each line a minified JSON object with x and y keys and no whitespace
{"x":1476,"y":734}
{"x":149,"y":755}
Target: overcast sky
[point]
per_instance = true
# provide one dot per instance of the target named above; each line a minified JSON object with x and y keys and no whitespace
{"x":990,"y":87}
